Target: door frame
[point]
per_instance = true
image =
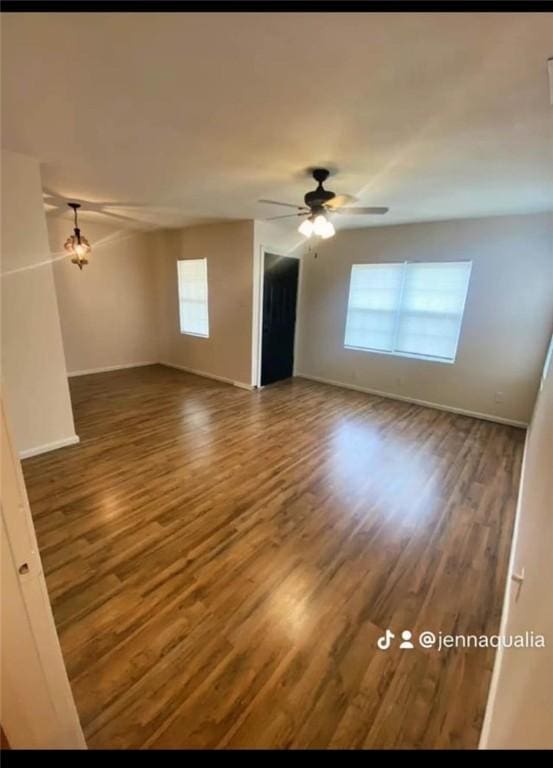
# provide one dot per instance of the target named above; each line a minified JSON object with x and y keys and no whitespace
{"x":38,"y":709}
{"x":257,"y":336}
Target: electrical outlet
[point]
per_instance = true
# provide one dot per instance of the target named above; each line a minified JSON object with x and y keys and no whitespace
{"x":499,"y":397}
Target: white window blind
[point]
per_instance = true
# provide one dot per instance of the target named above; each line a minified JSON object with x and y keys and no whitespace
{"x":193,"y":310}
{"x":412,"y":309}
{"x":374,"y":294}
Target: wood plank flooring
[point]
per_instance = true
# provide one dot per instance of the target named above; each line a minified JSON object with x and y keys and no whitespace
{"x":221,"y":563}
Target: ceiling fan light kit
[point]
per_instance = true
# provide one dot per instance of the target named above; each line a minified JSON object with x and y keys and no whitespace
{"x":77,"y":245}
{"x":328,"y":230}
{"x":323,"y":227}
{"x":306,"y":228}
{"x":319,"y":204}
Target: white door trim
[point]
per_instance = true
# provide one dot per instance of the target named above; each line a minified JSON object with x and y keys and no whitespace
{"x":38,"y":709}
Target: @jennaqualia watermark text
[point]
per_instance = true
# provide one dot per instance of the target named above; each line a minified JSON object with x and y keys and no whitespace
{"x":441,"y":640}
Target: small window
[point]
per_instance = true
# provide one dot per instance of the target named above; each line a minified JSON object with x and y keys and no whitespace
{"x":193,"y":313}
{"x":411,"y":309}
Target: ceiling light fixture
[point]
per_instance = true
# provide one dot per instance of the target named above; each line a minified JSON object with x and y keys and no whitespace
{"x":328,"y":231}
{"x":321,"y":202}
{"x":317,"y":225}
{"x":77,"y":245}
{"x":306,"y":228}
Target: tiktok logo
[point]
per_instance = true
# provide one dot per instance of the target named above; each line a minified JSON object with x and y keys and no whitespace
{"x":385,"y":641}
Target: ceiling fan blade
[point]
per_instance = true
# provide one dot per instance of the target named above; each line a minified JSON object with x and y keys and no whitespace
{"x":361,"y":211}
{"x":287,"y":205}
{"x":338,"y":201}
{"x":287,"y":216}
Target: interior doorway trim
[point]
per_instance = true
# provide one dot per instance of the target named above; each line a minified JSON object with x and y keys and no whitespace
{"x":257,"y":335}
{"x":38,"y":709}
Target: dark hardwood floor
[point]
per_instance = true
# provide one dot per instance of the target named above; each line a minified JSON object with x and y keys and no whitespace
{"x":221,"y":563}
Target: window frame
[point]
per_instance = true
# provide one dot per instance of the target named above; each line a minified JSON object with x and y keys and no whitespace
{"x":180,"y":301}
{"x":409,"y":355}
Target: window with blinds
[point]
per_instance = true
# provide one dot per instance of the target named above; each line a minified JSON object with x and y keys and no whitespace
{"x":193,"y":310}
{"x":413,"y":309}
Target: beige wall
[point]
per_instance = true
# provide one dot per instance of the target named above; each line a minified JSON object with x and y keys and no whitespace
{"x":107,"y":310}
{"x":33,"y":362}
{"x":506,"y":327}
{"x":278,"y":236}
{"x":229,"y":251}
{"x":520,"y":709}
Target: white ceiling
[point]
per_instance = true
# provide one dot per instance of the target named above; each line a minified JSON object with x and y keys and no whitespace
{"x":169,"y":119}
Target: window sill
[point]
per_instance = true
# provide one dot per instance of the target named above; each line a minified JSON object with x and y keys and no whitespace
{"x":197,"y":335}
{"x":426,"y":358}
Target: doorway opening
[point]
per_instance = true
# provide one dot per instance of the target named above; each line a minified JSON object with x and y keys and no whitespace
{"x":278,"y":320}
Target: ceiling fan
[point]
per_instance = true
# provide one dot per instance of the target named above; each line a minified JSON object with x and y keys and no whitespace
{"x":319,"y":203}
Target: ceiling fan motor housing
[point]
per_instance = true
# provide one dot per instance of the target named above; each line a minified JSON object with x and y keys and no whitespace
{"x":319,"y":196}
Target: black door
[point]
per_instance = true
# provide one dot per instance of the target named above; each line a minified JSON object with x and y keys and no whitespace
{"x":280,"y":290}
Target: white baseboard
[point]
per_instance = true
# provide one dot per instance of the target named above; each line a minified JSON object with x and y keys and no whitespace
{"x":107,"y":368}
{"x":242,"y":385}
{"x":207,"y":375}
{"x":415,"y":401}
{"x":28,"y":452}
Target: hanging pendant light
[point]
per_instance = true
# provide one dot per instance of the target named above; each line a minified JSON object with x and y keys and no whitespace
{"x":77,"y":245}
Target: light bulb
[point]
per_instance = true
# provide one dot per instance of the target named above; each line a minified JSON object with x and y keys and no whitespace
{"x":80,"y":250}
{"x":329,"y":230}
{"x":319,"y":224}
{"x":306,"y":228}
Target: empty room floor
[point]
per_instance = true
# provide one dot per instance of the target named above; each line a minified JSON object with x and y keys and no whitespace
{"x":221,"y":562}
